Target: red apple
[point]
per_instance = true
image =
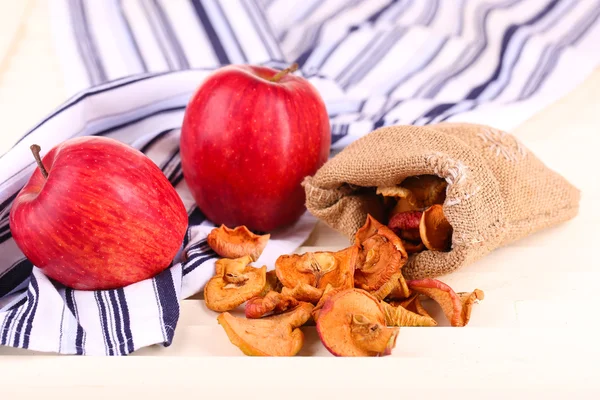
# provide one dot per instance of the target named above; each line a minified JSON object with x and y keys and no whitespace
{"x":250,"y":135}
{"x":103,"y":218}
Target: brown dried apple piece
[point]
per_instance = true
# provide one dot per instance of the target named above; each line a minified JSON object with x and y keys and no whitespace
{"x":436,"y":231}
{"x":400,"y":316}
{"x":234,"y":283}
{"x":413,"y":303}
{"x":426,"y":189}
{"x":409,"y":235}
{"x":412,"y":247}
{"x":273,"y":302}
{"x":303,"y":292}
{"x":352,"y":323}
{"x":232,"y":266}
{"x":395,"y":288}
{"x":406,"y":221}
{"x":368,"y":230}
{"x":237,"y":242}
{"x":318,"y":269}
{"x":403,"y":205}
{"x":405,"y":199}
{"x":382,"y":255}
{"x":457,"y":309}
{"x":327,"y":293}
{"x":272,"y":284}
{"x":406,"y":226}
{"x":277,"y":335}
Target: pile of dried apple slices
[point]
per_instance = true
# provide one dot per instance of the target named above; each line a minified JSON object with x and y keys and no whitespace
{"x":357,"y":297}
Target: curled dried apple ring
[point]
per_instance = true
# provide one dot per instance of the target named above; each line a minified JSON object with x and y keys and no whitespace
{"x":277,"y":335}
{"x":237,"y":242}
{"x":406,"y":200}
{"x":272,"y":284}
{"x":436,"y":231}
{"x":303,"y":292}
{"x":457,"y":309}
{"x":318,"y":269}
{"x":406,"y":226}
{"x":369,"y":229}
{"x":382,"y":255}
{"x":327,"y":293}
{"x":406,"y":221}
{"x":234,"y":283}
{"x":426,"y":189}
{"x":412,"y":248}
{"x":352,"y":323}
{"x":396,"y":288}
{"x":400,"y":316}
{"x":274,"y":302}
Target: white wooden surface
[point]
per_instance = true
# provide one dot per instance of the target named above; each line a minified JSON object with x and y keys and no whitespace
{"x":535,"y":334}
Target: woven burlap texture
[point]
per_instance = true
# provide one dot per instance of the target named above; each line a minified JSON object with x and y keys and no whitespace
{"x":498,"y":191}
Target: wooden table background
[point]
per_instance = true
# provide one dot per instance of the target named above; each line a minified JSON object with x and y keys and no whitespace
{"x":535,"y":334}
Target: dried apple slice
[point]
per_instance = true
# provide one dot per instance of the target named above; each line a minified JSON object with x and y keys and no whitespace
{"x":272,"y":284}
{"x":406,"y":200}
{"x":304,"y":292}
{"x":232,"y":266}
{"x":382,"y":255}
{"x":412,"y":248}
{"x":327,"y":293}
{"x":426,"y":189}
{"x":409,"y":235}
{"x":237,"y":242}
{"x":406,"y":226}
{"x":402,"y":205}
{"x":400,"y":316}
{"x":395,"y":288}
{"x":234,"y":284}
{"x":457,"y":309}
{"x":278,"y":335}
{"x":352,"y":323}
{"x":273,"y":302}
{"x":406,"y":221}
{"x":436,"y":231}
{"x":318,"y":269}
{"x":368,"y":230}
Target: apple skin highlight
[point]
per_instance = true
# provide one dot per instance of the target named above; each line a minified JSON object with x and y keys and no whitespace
{"x":247,"y":142}
{"x":105,"y":217}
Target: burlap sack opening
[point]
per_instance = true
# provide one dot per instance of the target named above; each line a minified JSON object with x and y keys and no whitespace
{"x":498,"y":191}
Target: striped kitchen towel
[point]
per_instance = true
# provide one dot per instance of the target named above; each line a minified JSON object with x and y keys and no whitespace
{"x":132,"y":65}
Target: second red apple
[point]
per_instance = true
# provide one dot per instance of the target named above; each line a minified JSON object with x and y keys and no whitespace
{"x":249,"y":137}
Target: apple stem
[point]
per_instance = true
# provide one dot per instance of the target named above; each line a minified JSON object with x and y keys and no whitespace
{"x":284,"y":72}
{"x":35,"y":149}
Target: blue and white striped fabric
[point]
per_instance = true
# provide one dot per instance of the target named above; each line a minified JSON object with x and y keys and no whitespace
{"x":133,"y":64}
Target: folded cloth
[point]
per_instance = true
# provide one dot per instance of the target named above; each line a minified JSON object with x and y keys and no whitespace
{"x":133,"y":65}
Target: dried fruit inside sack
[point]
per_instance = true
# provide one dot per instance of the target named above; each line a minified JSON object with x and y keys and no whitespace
{"x":237,"y":242}
{"x":234,"y":283}
{"x":415,"y":213}
{"x":415,"y":193}
{"x":435,"y":230}
{"x":352,"y":323}
{"x":277,"y":335}
{"x":381,"y":255}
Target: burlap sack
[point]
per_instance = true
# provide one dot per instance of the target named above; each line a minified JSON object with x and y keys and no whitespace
{"x":498,"y":191}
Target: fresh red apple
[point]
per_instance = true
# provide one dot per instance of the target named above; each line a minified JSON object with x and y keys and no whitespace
{"x":98,"y":214}
{"x":250,"y":135}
